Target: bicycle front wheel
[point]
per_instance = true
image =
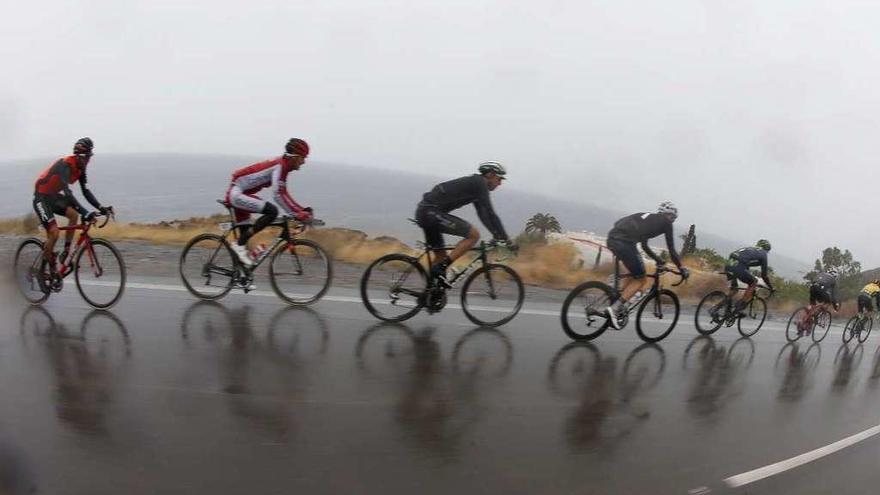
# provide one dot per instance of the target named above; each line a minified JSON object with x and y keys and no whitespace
{"x":100,"y":274}
{"x":300,"y":272}
{"x":657,"y":316}
{"x":792,"y":330}
{"x":393,"y":287}
{"x":867,"y":325}
{"x":583,"y":312}
{"x":850,"y":329}
{"x":207,"y":266}
{"x":711,"y":312}
{"x":753,"y":319}
{"x":28,"y":271}
{"x":492,"y":295}
{"x":821,"y":325}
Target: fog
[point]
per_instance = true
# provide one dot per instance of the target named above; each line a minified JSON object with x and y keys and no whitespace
{"x":757,"y":118}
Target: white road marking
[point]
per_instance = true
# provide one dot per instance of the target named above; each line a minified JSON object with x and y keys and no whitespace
{"x":788,"y":464}
{"x":332,"y":298}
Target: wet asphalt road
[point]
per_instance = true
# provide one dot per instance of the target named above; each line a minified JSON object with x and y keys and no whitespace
{"x":167,"y":395}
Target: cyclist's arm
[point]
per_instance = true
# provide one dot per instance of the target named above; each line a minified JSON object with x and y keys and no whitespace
{"x":764,"y":273}
{"x":487,"y":215}
{"x":83,"y":186}
{"x":64,"y":174}
{"x":652,"y":254}
{"x":670,"y":245}
{"x":280,"y":195}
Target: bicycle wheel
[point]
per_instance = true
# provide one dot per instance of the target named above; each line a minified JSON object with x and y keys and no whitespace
{"x":657,"y":315}
{"x":583,"y":312}
{"x":100,"y":274}
{"x":751,"y":322}
{"x":792,"y":332}
{"x":393,"y":287}
{"x":711,"y":312}
{"x":207,"y":266}
{"x":492,"y":295}
{"x":821,"y":325}
{"x":867,"y":325}
{"x":300,"y":272}
{"x":850,"y":329}
{"x":28,"y":270}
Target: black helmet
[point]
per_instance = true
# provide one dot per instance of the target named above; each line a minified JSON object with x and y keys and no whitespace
{"x":83,"y":146}
{"x":297,"y":146}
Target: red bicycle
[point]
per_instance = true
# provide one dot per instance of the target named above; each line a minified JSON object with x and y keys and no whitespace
{"x":96,"y":264}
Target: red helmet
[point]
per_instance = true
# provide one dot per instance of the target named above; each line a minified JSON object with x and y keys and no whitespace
{"x":297,"y":146}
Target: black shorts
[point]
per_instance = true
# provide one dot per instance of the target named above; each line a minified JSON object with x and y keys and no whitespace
{"x":47,"y":206}
{"x":435,"y":223}
{"x":628,"y":254}
{"x":739,"y":272}
{"x":865,"y":303}
{"x":818,"y":294}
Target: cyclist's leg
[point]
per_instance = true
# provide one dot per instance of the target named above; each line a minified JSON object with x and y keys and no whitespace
{"x":243,"y":205}
{"x":72,"y":219}
{"x":270,"y":213}
{"x":628,"y":254}
{"x":864,"y":302}
{"x":435,"y":223}
{"x":43,"y":206}
{"x":745,"y":276}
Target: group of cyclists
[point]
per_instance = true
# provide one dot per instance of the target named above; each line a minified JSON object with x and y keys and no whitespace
{"x":53,"y":196}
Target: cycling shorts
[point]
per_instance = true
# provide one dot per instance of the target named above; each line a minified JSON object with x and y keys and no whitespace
{"x":739,"y":272}
{"x":628,"y":254}
{"x":435,"y":223}
{"x":865,"y":303}
{"x":48,"y":205}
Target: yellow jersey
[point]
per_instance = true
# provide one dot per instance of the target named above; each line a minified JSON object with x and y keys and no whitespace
{"x":871,"y":289}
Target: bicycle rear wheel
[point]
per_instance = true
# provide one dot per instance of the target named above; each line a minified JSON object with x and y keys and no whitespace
{"x":28,"y":270}
{"x":492,"y":295}
{"x":751,"y":322}
{"x":821,"y":325}
{"x":850,"y":329}
{"x":207,"y":266}
{"x":711,"y":312}
{"x":300,"y":272}
{"x":393,"y":287}
{"x":100,"y":274}
{"x":657,"y":316}
{"x":867,"y":325}
{"x":583,"y":312}
{"x":792,"y":330}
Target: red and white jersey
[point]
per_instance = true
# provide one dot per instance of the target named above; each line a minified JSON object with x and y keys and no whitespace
{"x":265,"y":174}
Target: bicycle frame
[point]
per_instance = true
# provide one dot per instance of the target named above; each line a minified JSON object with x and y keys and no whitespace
{"x":483,"y":250}
{"x":655,"y":286}
{"x":83,"y":242}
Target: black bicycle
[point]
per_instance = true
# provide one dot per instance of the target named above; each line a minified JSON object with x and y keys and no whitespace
{"x":657,"y":313}
{"x":396,"y":287}
{"x":718,"y":308}
{"x":859,"y":326}
{"x":300,"y":271}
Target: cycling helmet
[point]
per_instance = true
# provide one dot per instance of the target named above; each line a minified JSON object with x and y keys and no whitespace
{"x":83,"y":146}
{"x":876,"y":281}
{"x":495,"y":167}
{"x":832,"y":272}
{"x":668,"y":207}
{"x":763,"y":244}
{"x":297,"y":146}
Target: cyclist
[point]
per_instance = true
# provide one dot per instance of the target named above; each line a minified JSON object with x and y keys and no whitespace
{"x":270,"y":173}
{"x":737,"y":269}
{"x":869,"y":292}
{"x":823,"y":290}
{"x":634,"y":229}
{"x":52,"y":196}
{"x":432,"y":215}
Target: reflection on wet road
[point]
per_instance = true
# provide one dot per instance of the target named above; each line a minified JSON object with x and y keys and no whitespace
{"x":167,"y":395}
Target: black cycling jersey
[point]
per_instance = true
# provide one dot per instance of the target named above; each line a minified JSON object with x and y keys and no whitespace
{"x":829,"y":284}
{"x":454,"y":194}
{"x":640,"y":227}
{"x":752,"y":256}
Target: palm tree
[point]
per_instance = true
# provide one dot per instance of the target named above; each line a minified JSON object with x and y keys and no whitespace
{"x":543,"y":223}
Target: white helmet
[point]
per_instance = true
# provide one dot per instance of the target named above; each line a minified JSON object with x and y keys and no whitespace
{"x":668,"y":207}
{"x":491,"y":166}
{"x":832,"y":272}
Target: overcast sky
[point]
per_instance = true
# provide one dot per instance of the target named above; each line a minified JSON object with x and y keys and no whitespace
{"x":760,"y":119}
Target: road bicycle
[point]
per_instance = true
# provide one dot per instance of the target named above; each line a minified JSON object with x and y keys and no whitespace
{"x":718,"y":308}
{"x":858,"y":326}
{"x":397,"y":286}
{"x":96,"y":264}
{"x":656,"y":312}
{"x":300,"y":271}
{"x":815,"y":323}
